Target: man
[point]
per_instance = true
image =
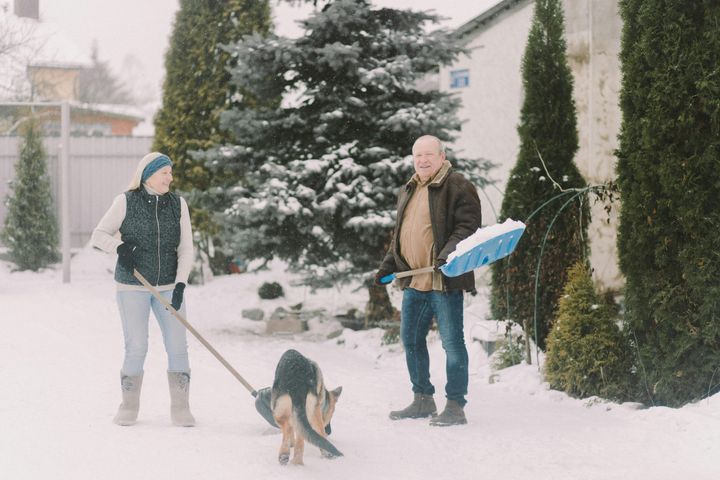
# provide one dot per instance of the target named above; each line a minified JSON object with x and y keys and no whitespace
{"x":436,"y":209}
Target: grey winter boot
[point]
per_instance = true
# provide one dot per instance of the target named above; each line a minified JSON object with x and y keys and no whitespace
{"x":452,"y":415}
{"x":128,"y":411}
{"x":422,"y":406}
{"x":179,"y":404}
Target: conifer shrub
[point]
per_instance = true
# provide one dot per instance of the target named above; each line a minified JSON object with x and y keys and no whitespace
{"x":548,"y":143}
{"x":197,"y":88}
{"x":587,"y":353}
{"x":270,"y":290}
{"x":31,"y":232}
{"x":667,"y":168}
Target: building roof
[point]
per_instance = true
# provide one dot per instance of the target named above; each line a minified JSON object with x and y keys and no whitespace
{"x":476,"y":25}
{"x":128,"y":112}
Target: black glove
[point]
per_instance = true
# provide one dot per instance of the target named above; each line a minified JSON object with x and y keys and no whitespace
{"x":125,"y":256}
{"x":439,"y":262}
{"x":177,"y":297}
{"x":380,"y":274}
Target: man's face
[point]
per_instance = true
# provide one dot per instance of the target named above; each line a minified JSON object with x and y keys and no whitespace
{"x":427,"y":157}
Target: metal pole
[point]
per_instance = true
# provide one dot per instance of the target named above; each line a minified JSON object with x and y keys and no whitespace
{"x":65,"y":189}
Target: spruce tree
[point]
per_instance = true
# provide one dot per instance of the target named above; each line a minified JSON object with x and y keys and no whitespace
{"x":667,"y":172}
{"x":321,"y":170}
{"x":31,"y":232}
{"x":548,"y":131}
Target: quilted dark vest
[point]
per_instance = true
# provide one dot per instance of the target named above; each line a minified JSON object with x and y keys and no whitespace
{"x":152,"y":224}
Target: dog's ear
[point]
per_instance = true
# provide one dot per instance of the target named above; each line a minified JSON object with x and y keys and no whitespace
{"x":336,"y":393}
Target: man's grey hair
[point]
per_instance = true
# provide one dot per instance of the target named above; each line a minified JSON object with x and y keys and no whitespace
{"x":441,"y":144}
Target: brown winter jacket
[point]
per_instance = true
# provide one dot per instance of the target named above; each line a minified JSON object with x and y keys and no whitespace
{"x":455,"y":215}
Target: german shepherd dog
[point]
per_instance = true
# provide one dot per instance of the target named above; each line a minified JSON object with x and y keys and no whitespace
{"x":302,"y":407}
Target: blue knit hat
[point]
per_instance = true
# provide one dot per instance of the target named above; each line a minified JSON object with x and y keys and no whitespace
{"x":155,"y":165}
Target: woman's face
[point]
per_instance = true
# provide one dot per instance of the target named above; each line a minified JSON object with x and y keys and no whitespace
{"x":160,"y":180}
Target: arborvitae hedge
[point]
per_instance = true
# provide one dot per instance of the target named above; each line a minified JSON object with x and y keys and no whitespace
{"x":668,"y":165}
{"x":197,"y":89}
{"x":31,"y":231}
{"x":197,"y":84}
{"x":548,"y":125}
{"x":586,"y":352}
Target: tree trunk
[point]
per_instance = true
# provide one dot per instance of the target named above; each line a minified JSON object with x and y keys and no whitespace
{"x":379,"y":310}
{"x":528,"y":353}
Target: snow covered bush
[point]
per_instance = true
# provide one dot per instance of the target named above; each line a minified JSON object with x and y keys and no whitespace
{"x":586,"y":352}
{"x":509,"y":352}
{"x":319,"y":171}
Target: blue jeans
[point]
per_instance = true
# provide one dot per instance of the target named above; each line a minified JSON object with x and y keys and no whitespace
{"x":418,"y":309}
{"x":135,"y":314}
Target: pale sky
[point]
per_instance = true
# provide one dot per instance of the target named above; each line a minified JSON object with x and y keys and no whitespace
{"x":133,"y":34}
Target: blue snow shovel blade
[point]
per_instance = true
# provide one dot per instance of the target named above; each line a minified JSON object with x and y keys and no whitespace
{"x":484,"y":253}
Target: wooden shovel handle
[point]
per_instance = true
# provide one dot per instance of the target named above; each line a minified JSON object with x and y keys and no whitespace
{"x":192,"y":330}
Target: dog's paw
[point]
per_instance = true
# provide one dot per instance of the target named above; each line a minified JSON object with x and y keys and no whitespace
{"x":283,"y":458}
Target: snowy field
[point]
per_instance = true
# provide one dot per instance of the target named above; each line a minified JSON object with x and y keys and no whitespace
{"x":61,"y":350}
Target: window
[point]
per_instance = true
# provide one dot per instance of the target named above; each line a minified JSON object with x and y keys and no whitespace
{"x":459,"y":78}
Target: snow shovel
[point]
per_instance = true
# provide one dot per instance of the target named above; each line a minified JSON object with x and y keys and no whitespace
{"x":262,"y":396}
{"x":483,"y":247}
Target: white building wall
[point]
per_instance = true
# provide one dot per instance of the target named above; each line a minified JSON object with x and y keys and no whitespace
{"x":493,"y":98}
{"x":594,"y":29}
{"x":491,"y":103}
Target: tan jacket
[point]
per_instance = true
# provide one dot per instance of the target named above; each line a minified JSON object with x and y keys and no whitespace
{"x":416,"y":236}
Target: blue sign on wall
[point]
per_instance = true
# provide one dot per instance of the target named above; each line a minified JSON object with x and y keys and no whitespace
{"x":459,"y":78}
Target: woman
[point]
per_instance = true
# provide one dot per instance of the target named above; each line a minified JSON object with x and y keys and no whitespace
{"x":155,"y":238}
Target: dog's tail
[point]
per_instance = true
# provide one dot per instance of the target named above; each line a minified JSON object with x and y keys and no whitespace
{"x":303,"y":424}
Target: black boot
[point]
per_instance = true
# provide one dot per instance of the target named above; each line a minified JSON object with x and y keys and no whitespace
{"x":422,"y":406}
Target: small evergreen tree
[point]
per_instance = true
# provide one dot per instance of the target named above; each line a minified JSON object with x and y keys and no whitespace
{"x":586,"y":352}
{"x":547,"y":130}
{"x":668,"y":176}
{"x":31,"y":232}
{"x":321,"y":170}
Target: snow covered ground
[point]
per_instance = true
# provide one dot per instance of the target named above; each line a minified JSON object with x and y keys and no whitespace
{"x":61,"y":350}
